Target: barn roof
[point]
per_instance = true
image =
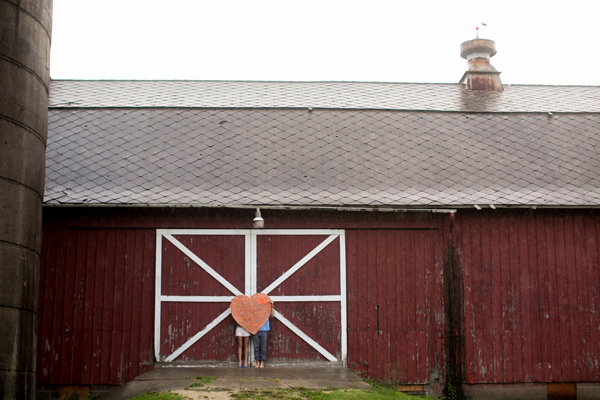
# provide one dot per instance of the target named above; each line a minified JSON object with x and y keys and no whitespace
{"x":333,"y":95}
{"x":338,"y":144}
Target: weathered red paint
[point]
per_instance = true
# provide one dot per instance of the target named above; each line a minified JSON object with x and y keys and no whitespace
{"x":531,"y":295}
{"x":93,"y":328}
{"x":395,"y":303}
{"x":530,"y":280}
{"x":98,"y":282}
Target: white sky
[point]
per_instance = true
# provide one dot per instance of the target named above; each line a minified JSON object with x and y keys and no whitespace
{"x":538,"y":42}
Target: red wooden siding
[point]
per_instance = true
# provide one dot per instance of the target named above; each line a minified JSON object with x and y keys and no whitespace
{"x":96,"y":315}
{"x":96,"y":304}
{"x":530,"y":307}
{"x":395,"y":303}
{"x":531,"y":295}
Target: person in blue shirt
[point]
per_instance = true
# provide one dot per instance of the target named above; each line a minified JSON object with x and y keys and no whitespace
{"x":260,"y":341}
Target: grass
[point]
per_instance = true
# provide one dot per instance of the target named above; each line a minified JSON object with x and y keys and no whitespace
{"x":200,"y":381}
{"x":159,"y":396}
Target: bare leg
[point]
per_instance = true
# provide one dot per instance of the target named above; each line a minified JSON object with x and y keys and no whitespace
{"x":246,"y":339}
{"x":239,"y":348}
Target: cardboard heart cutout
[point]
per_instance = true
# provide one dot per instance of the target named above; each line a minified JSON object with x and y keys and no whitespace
{"x":251,"y":312}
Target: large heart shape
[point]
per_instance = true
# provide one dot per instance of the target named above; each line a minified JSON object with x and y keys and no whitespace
{"x":251,"y":312}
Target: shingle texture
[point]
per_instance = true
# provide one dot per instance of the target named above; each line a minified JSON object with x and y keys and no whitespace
{"x":274,"y":151}
{"x":336,"y":95}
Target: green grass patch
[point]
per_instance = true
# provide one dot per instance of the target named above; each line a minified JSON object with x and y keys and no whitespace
{"x":204,"y":379}
{"x":261,"y":379}
{"x":200,"y":381}
{"x":158,"y":396}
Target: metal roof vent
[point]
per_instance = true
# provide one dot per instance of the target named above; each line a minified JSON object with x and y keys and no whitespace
{"x":480,"y":75}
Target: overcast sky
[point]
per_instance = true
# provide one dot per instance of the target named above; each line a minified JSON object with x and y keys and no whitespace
{"x":538,"y":42}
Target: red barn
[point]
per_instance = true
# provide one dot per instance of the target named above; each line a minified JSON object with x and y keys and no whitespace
{"x":419,"y":233}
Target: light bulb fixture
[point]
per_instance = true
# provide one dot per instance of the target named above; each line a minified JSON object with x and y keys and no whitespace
{"x":258,"y":222}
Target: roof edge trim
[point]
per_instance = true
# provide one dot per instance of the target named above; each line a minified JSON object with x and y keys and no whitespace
{"x":433,"y":209}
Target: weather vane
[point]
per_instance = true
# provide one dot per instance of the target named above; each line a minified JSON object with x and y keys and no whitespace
{"x":481,"y":24}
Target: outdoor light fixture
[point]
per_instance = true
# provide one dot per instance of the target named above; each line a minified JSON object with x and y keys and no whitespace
{"x":258,"y":222}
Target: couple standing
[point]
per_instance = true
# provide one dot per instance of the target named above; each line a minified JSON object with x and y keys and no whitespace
{"x":260,"y":343}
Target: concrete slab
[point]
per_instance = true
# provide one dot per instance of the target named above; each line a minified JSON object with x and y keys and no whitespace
{"x":231,"y":378}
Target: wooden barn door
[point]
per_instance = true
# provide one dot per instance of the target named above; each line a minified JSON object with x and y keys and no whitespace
{"x":198,"y":272}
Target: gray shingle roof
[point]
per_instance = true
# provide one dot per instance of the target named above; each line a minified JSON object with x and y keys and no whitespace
{"x":270,"y":149}
{"x":333,"y":95}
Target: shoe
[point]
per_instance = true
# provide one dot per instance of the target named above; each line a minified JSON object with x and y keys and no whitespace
{"x":239,"y":366}
{"x":245,"y":366}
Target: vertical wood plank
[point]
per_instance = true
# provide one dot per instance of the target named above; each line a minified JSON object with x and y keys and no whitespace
{"x":69,"y":299}
{"x":58,"y":306}
{"x":478,"y":298}
{"x":128,"y":273}
{"x":100,"y":263}
{"x":108,"y":306}
{"x":363,"y":322}
{"x":116,"y":345}
{"x":88,"y":322}
{"x":545,"y":298}
{"x":403,"y":312}
{"x":148,"y":287}
{"x":516,"y":303}
{"x":487,"y":298}
{"x":469,"y":311}
{"x":507,"y":308}
{"x":592,"y":251}
{"x":431,"y":301}
{"x":352,"y":295}
{"x":137,"y":302}
{"x":572,"y":290}
{"x":72,"y":313}
{"x":420,"y":323}
{"x":535,"y":296}
{"x":563,"y":299}
{"x":381,"y":307}
{"x":554,"y":299}
{"x":526,"y":289}
{"x":391,"y":312}
{"x":79,"y":306}
{"x":497,"y":308}
{"x":411,"y":305}
{"x":581,"y":292}
{"x":440,"y":304}
{"x":371,"y":304}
